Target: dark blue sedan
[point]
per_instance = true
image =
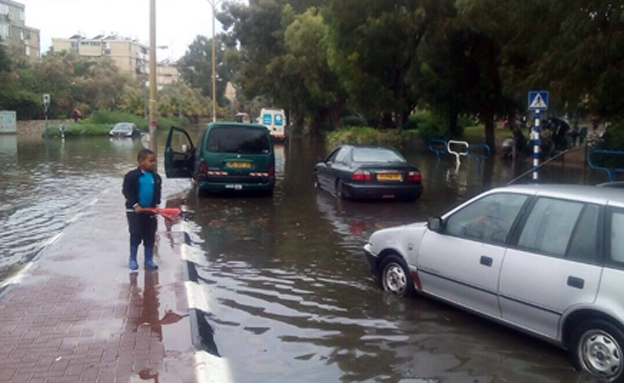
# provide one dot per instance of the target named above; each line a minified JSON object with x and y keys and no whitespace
{"x":362,"y":172}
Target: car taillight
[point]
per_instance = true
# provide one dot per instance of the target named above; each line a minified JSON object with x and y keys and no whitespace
{"x":414,"y":177}
{"x":361,"y":176}
{"x":203,"y":169}
{"x":272,"y":171}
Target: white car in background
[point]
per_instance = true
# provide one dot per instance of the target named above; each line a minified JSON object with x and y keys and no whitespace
{"x":125,"y":129}
{"x":545,"y":259}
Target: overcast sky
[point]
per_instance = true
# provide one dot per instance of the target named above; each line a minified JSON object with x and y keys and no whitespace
{"x":178,"y":22}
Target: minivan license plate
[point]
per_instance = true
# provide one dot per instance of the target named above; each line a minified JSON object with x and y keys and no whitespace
{"x":241,"y":165}
{"x":234,"y":186}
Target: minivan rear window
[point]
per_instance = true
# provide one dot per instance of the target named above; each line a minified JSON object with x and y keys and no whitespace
{"x":238,"y":139}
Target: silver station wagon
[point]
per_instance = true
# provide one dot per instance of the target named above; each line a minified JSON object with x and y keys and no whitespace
{"x":544,"y":259}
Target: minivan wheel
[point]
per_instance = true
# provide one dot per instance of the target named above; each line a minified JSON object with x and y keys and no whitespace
{"x":596,"y":347}
{"x":395,"y":277}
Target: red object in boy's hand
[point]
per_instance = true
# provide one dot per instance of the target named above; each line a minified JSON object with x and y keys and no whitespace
{"x":169,"y":213}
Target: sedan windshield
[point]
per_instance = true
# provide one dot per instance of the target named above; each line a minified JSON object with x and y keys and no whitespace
{"x":376,"y":155}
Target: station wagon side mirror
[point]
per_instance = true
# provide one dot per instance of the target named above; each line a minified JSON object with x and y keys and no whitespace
{"x":435,"y":224}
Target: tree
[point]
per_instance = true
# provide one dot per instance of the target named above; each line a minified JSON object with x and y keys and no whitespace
{"x":196,"y":65}
{"x":374,"y":51}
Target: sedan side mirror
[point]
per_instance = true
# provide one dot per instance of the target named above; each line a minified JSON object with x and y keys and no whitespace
{"x":435,"y":224}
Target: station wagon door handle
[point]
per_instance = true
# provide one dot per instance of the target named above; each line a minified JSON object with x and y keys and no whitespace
{"x":576,"y":282}
{"x":487,"y":261}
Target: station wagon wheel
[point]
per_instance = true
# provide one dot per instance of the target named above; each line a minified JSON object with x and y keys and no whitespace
{"x":395,"y":276}
{"x":596,"y":347}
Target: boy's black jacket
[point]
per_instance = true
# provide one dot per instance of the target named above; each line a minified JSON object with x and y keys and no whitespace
{"x":130,"y":188}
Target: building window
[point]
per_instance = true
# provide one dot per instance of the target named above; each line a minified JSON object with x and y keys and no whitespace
{"x":4,"y":9}
{"x":27,"y":51}
{"x":22,"y":35}
{"x":4,"y":31}
{"x":22,"y":15}
{"x":107,"y":51}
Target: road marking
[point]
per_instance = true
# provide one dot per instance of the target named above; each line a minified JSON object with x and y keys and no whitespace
{"x":211,"y":369}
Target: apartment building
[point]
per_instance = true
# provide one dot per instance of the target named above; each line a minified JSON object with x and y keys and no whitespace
{"x":166,"y":73}
{"x":14,"y":33}
{"x":129,"y":55}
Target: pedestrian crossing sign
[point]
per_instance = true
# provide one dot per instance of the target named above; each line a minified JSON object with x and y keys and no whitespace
{"x":538,"y":100}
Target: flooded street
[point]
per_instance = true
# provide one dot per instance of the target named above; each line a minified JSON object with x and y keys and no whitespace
{"x":290,"y":292}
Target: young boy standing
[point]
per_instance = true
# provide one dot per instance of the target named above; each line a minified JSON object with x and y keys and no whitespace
{"x":142,"y":188}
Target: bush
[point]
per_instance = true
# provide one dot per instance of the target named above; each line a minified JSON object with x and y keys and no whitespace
{"x":111,"y":117}
{"x":353,"y":120}
{"x":430,"y":125}
{"x":364,"y":135}
{"x":80,"y":130}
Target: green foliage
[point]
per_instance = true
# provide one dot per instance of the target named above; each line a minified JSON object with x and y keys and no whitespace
{"x":364,"y":135}
{"x":353,"y":120}
{"x":430,"y":125}
{"x":196,"y":65}
{"x":109,"y":118}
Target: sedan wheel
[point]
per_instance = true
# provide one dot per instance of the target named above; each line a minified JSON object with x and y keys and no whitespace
{"x":317,"y":184}
{"x":597,"y":349}
{"x":395,"y":277}
{"x":340,"y":190}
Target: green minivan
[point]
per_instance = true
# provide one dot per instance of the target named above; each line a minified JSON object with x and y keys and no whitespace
{"x":229,"y":157}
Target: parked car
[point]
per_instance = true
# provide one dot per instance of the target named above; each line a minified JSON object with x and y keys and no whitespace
{"x":125,"y":129}
{"x":368,"y":172}
{"x":229,"y":157}
{"x":544,"y":259}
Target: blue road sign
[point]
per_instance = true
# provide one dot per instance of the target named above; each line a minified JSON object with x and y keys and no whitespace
{"x":538,"y":100}
{"x":266,"y":119}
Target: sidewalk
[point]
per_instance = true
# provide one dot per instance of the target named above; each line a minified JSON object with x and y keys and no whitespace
{"x":79,"y":315}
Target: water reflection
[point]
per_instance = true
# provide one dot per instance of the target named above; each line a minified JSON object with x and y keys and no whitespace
{"x":292,"y":299}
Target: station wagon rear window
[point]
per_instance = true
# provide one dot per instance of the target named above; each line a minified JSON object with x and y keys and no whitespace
{"x":234,"y":139}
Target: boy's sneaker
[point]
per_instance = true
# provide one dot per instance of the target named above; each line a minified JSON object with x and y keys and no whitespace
{"x":133,"y":264}
{"x":150,"y":265}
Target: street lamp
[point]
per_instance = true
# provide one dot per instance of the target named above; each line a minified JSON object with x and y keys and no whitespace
{"x":214,"y":4}
{"x":152,"y":78}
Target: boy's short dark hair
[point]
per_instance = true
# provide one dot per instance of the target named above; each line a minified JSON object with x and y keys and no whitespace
{"x":143,"y":153}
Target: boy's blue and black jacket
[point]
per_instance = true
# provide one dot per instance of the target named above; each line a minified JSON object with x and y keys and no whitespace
{"x":130,"y":188}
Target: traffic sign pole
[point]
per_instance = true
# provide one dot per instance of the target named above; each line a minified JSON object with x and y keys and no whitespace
{"x":538,"y":101}
{"x":536,"y":147}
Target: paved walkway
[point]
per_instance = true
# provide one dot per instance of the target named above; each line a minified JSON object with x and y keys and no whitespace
{"x":80,"y":315}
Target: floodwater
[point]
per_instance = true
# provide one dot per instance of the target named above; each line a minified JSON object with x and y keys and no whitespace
{"x":290,"y":293}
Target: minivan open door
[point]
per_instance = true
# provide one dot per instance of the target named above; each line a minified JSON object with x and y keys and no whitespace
{"x":179,"y":154}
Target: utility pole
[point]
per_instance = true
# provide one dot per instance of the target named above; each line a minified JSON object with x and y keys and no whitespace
{"x":214,"y":4}
{"x":152,"y":78}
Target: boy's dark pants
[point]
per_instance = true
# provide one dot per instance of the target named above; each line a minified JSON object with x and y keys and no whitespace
{"x":142,"y":229}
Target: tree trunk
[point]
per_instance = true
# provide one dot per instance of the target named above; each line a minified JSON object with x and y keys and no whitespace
{"x":490,"y":140}
{"x":453,"y":131}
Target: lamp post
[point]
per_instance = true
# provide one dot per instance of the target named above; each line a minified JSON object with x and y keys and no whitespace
{"x":214,"y":4}
{"x":152,"y":78}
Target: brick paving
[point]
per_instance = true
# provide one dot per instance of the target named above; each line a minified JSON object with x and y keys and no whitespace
{"x":80,"y":315}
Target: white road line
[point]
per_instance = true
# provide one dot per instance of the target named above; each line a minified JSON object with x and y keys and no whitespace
{"x":196,"y":297}
{"x":52,"y":240}
{"x":212,"y":369}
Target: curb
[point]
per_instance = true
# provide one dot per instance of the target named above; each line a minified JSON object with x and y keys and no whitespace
{"x":210,"y":366}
